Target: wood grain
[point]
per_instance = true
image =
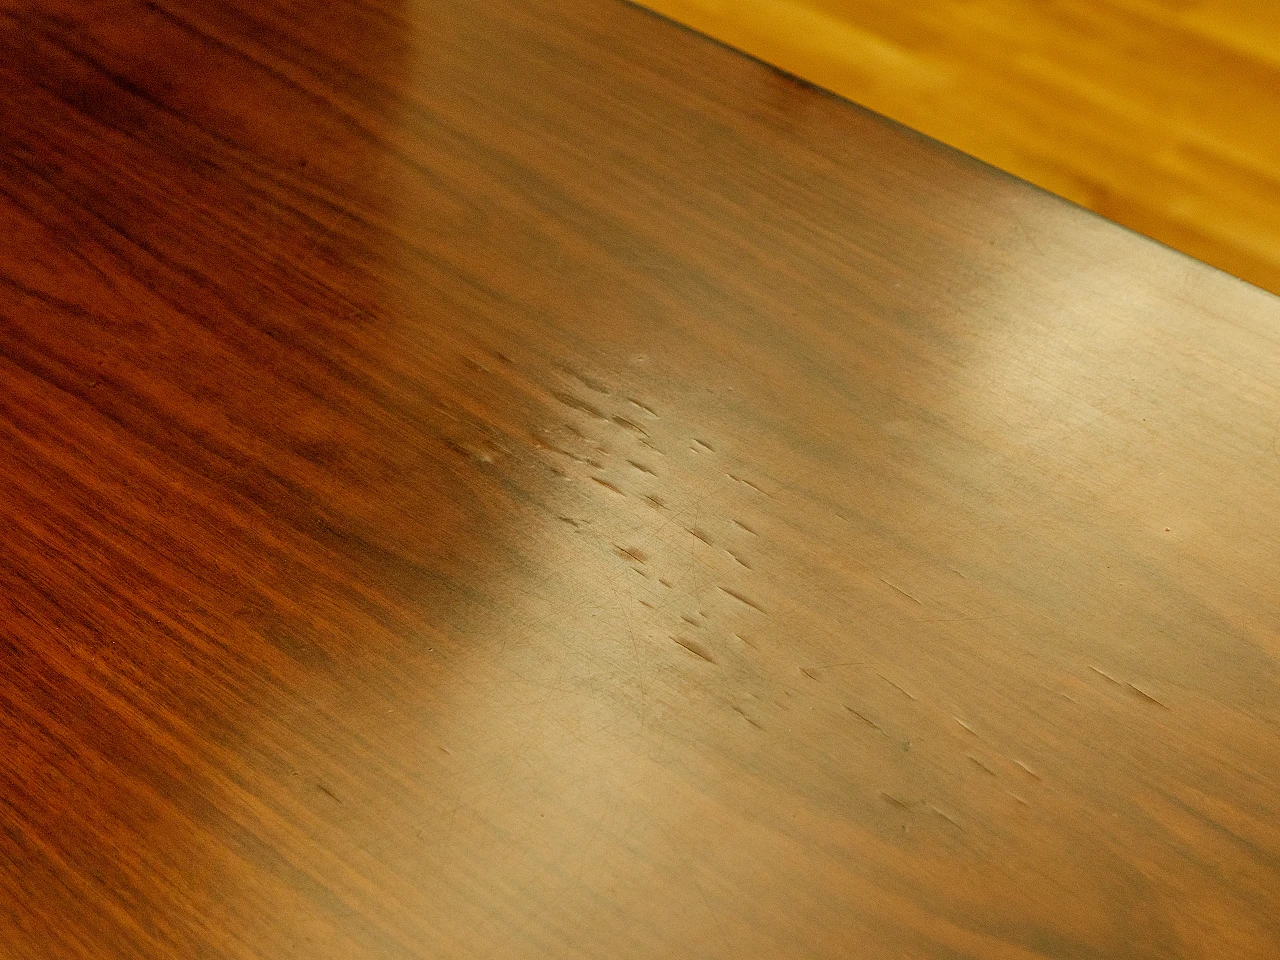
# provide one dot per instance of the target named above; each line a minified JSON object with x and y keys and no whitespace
{"x":1160,"y":114}
{"x":521,"y":480}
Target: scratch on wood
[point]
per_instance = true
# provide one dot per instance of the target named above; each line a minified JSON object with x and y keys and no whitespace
{"x":946,"y":817}
{"x":809,"y":673}
{"x":608,"y":486}
{"x":642,"y":468}
{"x":896,"y":801}
{"x":743,"y":526}
{"x":1029,"y":772}
{"x":586,"y":381}
{"x":895,"y":686}
{"x":738,"y":479}
{"x":694,"y":647}
{"x":640,"y":406}
{"x":573,"y":456}
{"x":864,"y":718}
{"x":704,"y":444}
{"x":744,"y":716}
{"x":1146,"y":696}
{"x":569,"y":400}
{"x":741,"y":599}
{"x":981,"y":766}
{"x":900,"y":590}
{"x":630,"y":425}
{"x":965,"y":725}
{"x":700,"y":535}
{"x":327,"y":792}
{"x":1108,"y":676}
{"x":632,"y":553}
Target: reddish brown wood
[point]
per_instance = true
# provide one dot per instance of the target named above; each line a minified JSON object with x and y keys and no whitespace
{"x":520,"y":480}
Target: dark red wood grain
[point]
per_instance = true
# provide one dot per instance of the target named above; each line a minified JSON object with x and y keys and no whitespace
{"x":521,"y":480}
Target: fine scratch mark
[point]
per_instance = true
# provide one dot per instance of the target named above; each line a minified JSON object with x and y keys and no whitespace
{"x":743,"y":526}
{"x":809,"y":673}
{"x":897,"y":801}
{"x":694,"y":647}
{"x":965,"y":725}
{"x":738,"y":636}
{"x":569,"y":400}
{"x":981,"y":766}
{"x":949,"y":819}
{"x":1146,"y":696}
{"x":642,"y":468}
{"x":640,"y":406}
{"x":665,"y":582}
{"x":630,"y":425}
{"x":738,"y":479}
{"x":575,"y":457}
{"x":994,"y":616}
{"x":744,"y":716}
{"x":570,"y":521}
{"x":864,"y":718}
{"x":737,"y":559}
{"x":327,"y":792}
{"x":655,"y":501}
{"x":895,"y":686}
{"x":1018,"y":798}
{"x":1029,"y":772}
{"x":700,"y":535}
{"x":689,"y":620}
{"x":1106,"y":675}
{"x":632,"y":553}
{"x":586,"y":381}
{"x":741,"y":599}
{"x":900,"y":590}
{"x":704,"y":444}
{"x":608,"y":486}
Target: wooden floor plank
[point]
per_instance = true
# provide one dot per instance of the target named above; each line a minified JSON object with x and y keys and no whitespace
{"x":1159,"y":114}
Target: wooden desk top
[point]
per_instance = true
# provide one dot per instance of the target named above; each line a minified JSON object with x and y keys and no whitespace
{"x":519,"y":480}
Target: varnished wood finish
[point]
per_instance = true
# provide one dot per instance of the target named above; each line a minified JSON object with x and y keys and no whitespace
{"x":1160,"y":114}
{"x":521,"y":480}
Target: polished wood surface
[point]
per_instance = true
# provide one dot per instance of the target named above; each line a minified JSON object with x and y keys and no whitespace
{"x":522,"y":480}
{"x":1160,"y":114}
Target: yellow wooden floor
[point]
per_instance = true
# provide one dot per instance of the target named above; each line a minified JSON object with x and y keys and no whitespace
{"x":1161,"y":114}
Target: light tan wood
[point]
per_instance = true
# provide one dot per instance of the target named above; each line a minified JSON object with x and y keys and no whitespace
{"x":1160,"y":114}
{"x":520,"y":480}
